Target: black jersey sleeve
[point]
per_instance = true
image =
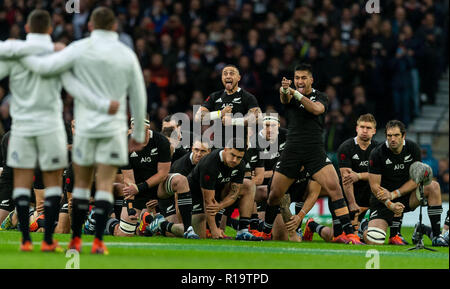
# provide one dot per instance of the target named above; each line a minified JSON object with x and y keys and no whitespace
{"x":238,"y":178}
{"x":251,"y":101}
{"x":208,"y":177}
{"x":375,"y":161}
{"x":164,"y":150}
{"x":209,"y":102}
{"x":416,"y":152}
{"x":344,"y":155}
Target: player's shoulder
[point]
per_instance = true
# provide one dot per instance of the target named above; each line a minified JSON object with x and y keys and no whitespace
{"x":380,"y":148}
{"x":247,"y":93}
{"x":348,"y":144}
{"x":282,"y":131}
{"x":211,"y":159}
{"x":412,"y":145}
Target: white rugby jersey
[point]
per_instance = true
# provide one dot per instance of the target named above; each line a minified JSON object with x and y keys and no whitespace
{"x":108,"y":68}
{"x":36,"y":106}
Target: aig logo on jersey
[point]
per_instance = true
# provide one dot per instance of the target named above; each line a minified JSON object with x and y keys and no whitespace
{"x":146,"y":160}
{"x":399,"y":167}
{"x":364,"y":164}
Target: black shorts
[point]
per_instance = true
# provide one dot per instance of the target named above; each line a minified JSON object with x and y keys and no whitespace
{"x":297,"y":191}
{"x":362,"y":199}
{"x":167,"y":207}
{"x":378,"y":210}
{"x":142,"y":198}
{"x":292,"y":159}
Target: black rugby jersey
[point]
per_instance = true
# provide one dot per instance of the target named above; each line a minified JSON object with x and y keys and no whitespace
{"x":393,"y":168}
{"x":303,"y":126}
{"x":144,"y":163}
{"x":350,"y":155}
{"x":211,"y":173}
{"x":183,"y":165}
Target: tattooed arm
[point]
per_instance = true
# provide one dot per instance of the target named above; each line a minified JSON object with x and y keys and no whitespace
{"x":232,"y":196}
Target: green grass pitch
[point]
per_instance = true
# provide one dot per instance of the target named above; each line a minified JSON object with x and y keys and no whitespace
{"x":174,"y":253}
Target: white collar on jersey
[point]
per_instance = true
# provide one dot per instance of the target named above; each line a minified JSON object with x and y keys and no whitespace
{"x":239,"y":89}
{"x":38,"y":37}
{"x":387,"y":144}
{"x":190,"y":157}
{"x":151,"y":133}
{"x":220,"y":155}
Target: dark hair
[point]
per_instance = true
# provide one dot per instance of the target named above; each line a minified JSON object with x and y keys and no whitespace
{"x":39,"y":21}
{"x":231,"y":65}
{"x":237,"y":143}
{"x":167,"y":131}
{"x":103,"y":18}
{"x":304,"y":67}
{"x":396,"y":123}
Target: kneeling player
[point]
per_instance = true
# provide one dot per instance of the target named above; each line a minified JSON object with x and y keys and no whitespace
{"x":216,"y":183}
{"x":393,"y":188}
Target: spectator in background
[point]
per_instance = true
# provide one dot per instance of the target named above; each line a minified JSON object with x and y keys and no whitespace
{"x":430,"y":67}
{"x":349,"y":49}
{"x":427,"y":158}
{"x":401,"y":66}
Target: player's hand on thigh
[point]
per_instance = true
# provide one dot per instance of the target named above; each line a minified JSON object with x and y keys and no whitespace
{"x":293,"y":223}
{"x":151,"y":205}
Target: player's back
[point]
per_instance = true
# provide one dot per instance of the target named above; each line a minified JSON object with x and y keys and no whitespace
{"x":36,"y":105}
{"x":106,"y":67}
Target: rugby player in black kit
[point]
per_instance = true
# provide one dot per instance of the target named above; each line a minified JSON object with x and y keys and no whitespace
{"x":146,"y":170}
{"x":223,"y":104}
{"x":306,"y":108}
{"x":394,"y":192}
{"x":216,"y":183}
{"x":353,"y":155}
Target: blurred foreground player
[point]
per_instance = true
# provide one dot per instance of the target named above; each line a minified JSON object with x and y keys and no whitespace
{"x":111,"y":69}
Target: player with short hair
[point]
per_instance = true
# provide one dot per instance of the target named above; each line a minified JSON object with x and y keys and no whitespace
{"x":101,"y":139}
{"x":232,"y":100}
{"x":353,"y":164}
{"x":306,"y":108}
{"x":170,"y":223}
{"x":393,"y":188}
{"x":216,"y":183}
{"x":37,"y":132}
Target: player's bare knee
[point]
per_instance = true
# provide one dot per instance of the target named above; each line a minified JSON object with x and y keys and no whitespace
{"x":180,"y":183}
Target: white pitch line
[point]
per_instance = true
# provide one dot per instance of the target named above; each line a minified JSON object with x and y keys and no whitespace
{"x":256,"y":249}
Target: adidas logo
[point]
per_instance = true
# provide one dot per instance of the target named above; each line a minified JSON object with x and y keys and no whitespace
{"x":328,"y":160}
{"x":220,"y":175}
{"x":388,"y":162}
{"x":219,"y":100}
{"x":355,"y":157}
{"x":133,"y":155}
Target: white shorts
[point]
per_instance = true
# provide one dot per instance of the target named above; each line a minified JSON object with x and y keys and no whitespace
{"x":108,"y":150}
{"x":49,"y":150}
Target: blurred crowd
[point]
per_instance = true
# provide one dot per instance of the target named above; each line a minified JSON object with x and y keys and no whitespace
{"x":386,"y":63}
